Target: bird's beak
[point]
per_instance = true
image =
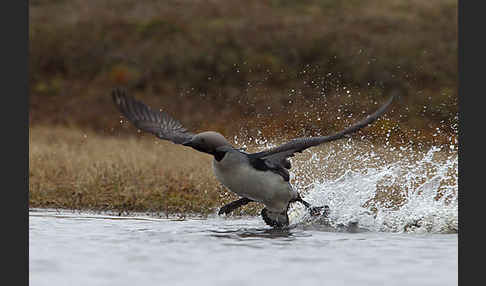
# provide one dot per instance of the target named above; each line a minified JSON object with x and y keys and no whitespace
{"x":187,"y":143}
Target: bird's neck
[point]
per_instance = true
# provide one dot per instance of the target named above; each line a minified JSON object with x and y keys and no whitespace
{"x":219,"y":155}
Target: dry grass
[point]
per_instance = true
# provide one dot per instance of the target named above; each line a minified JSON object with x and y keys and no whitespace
{"x":76,"y":169}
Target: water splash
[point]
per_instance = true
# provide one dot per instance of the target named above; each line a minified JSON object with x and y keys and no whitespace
{"x":392,"y":190}
{"x":378,"y":188}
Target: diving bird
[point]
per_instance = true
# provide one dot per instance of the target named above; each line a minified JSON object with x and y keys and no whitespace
{"x":256,"y":177}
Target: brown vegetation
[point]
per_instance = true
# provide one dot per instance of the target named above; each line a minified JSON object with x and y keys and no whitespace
{"x":285,"y":67}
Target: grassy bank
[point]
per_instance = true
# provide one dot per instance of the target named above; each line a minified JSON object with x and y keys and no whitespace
{"x":69,"y":169}
{"x":79,"y":169}
{"x":263,"y":63}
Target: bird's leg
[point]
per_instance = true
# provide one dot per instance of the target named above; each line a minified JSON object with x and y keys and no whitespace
{"x":226,"y":209}
{"x":314,"y":211}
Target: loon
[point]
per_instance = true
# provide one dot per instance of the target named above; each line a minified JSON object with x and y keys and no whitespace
{"x":261,"y":177}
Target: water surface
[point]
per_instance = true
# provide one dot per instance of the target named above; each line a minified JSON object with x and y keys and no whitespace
{"x":79,"y":248}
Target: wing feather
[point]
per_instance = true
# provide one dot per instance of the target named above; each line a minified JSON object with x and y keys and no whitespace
{"x":277,"y":156}
{"x":144,"y":118}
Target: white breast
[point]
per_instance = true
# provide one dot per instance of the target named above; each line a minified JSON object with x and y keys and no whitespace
{"x":235,"y":173}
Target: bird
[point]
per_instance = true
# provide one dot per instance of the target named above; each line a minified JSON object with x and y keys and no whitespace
{"x":261,"y":177}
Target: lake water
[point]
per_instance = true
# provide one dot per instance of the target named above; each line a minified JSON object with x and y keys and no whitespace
{"x":80,"y":248}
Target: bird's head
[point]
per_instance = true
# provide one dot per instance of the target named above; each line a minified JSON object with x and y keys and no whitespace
{"x":209,"y":142}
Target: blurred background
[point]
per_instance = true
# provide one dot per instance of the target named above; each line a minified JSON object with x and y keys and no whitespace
{"x":274,"y":68}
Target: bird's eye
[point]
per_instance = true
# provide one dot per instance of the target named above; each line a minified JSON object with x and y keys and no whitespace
{"x":202,"y":140}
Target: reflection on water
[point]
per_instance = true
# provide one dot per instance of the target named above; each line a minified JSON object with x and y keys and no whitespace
{"x":253,"y":233}
{"x":67,"y":248}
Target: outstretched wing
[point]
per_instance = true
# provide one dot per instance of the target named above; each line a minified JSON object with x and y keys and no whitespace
{"x":144,"y":118}
{"x":277,"y":158}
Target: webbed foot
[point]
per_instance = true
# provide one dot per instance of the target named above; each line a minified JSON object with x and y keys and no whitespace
{"x":319,"y":211}
{"x":275,"y":219}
